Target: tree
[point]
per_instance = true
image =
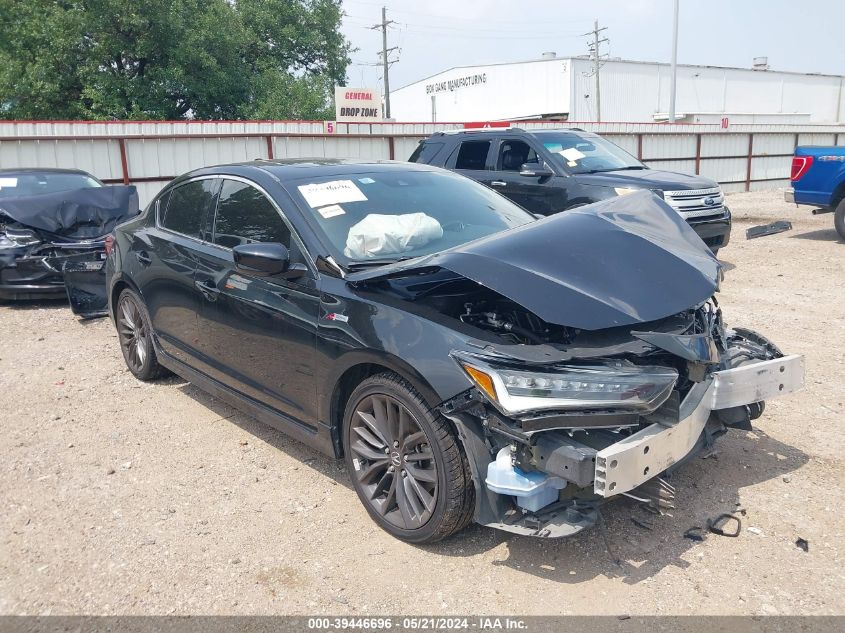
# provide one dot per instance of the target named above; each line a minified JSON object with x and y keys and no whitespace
{"x":170,"y":59}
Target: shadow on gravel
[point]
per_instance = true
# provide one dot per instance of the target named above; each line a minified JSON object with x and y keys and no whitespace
{"x":819,"y":235}
{"x":36,"y":304}
{"x":706,"y":487}
{"x":327,"y":466}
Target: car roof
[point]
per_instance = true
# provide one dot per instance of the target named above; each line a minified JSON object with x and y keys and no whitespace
{"x":43,"y":170}
{"x":285,"y":169}
{"x":497,"y":131}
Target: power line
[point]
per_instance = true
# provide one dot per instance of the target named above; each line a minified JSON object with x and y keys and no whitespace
{"x":444,"y":29}
{"x":472,"y":20}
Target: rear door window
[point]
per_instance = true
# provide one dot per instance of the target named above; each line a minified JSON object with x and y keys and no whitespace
{"x":187,"y":206}
{"x":245,"y":215}
{"x":472,"y":155}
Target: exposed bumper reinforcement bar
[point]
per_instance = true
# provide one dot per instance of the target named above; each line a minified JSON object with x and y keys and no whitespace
{"x":623,"y":466}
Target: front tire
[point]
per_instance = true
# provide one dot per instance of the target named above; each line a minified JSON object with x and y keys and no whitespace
{"x":134,"y":331}
{"x":839,"y":218}
{"x":406,"y":462}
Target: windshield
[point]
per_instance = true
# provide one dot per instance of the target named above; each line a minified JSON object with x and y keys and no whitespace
{"x":587,"y":153}
{"x":33,"y":183}
{"x":383,"y":216}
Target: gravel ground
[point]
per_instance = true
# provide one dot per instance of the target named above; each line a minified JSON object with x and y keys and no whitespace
{"x":120,"y":497}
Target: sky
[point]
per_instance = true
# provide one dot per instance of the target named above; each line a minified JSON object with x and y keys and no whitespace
{"x":434,"y":35}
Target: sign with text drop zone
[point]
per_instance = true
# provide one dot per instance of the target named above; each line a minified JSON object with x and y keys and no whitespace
{"x":357,"y":105}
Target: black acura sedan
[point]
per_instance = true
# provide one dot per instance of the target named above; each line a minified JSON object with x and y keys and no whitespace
{"x":468,"y":361}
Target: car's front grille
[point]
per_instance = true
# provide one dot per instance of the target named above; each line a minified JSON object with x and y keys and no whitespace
{"x":698,"y":204}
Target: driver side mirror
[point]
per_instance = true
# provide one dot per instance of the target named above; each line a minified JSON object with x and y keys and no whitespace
{"x":265,"y":259}
{"x":535,"y":170}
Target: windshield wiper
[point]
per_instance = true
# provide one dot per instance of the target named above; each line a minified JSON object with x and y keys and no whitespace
{"x":376,"y":262}
{"x":602,"y":171}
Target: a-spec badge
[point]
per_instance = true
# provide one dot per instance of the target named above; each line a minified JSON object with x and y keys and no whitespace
{"x":334,"y":316}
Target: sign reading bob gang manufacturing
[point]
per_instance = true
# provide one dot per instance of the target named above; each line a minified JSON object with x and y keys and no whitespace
{"x":454,"y":84}
{"x":357,"y":105}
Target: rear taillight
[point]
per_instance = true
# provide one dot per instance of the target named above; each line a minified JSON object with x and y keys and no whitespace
{"x":800,"y":165}
{"x":109,"y":243}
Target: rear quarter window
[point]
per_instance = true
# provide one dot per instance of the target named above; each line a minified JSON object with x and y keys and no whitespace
{"x":425,"y":152}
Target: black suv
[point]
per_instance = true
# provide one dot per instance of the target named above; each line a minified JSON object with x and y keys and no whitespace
{"x":551,"y":170}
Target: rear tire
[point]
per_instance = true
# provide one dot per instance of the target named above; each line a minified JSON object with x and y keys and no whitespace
{"x":406,"y":462}
{"x":134,"y":331}
{"x":839,"y":218}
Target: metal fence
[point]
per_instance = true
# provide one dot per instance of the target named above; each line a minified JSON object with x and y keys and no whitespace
{"x":150,"y":153}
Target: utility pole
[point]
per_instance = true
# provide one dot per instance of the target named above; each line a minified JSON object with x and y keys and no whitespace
{"x":385,"y":63}
{"x":674,"y":76}
{"x":594,"y":49}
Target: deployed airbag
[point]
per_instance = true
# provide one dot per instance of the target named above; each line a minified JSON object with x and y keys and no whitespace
{"x":380,"y":235}
{"x":78,"y":214}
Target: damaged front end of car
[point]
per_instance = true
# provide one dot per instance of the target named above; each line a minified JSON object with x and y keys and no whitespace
{"x":554,"y":441}
{"x":602,"y":361}
{"x":53,"y":245}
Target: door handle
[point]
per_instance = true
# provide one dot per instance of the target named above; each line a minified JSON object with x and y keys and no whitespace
{"x":208,"y":289}
{"x":143,"y":257}
{"x":499,"y":183}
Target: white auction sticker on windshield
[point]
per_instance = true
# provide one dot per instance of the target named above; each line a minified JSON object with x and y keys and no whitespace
{"x":571,"y":154}
{"x":8,"y":182}
{"x":331,"y":211}
{"x":321,"y":194}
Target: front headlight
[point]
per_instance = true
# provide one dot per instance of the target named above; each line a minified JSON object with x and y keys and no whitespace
{"x":624,"y":191}
{"x":621,"y":386}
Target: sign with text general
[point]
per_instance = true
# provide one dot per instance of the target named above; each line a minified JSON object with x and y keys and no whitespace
{"x":357,"y":105}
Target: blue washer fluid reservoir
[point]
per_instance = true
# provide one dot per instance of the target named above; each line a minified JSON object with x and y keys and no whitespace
{"x":533,"y":490}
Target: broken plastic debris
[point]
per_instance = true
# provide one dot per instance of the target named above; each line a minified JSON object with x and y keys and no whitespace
{"x":717,"y":525}
{"x":695,"y":533}
{"x":768,"y":229}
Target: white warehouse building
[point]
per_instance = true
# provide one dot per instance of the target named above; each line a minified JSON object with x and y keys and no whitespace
{"x":563,"y":88}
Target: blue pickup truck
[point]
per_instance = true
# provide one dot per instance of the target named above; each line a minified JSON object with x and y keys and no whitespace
{"x":818,"y":179}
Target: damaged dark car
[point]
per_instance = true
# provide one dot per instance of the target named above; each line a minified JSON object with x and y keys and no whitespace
{"x":467,"y":361}
{"x":53,"y":229}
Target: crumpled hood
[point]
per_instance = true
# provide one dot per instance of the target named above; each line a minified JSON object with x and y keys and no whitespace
{"x":627,"y":260}
{"x":79,"y":214}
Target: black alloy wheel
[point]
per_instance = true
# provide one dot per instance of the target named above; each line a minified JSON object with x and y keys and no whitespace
{"x":134,"y":338}
{"x":393,"y":462}
{"x":135,"y":335}
{"x":406,"y":462}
